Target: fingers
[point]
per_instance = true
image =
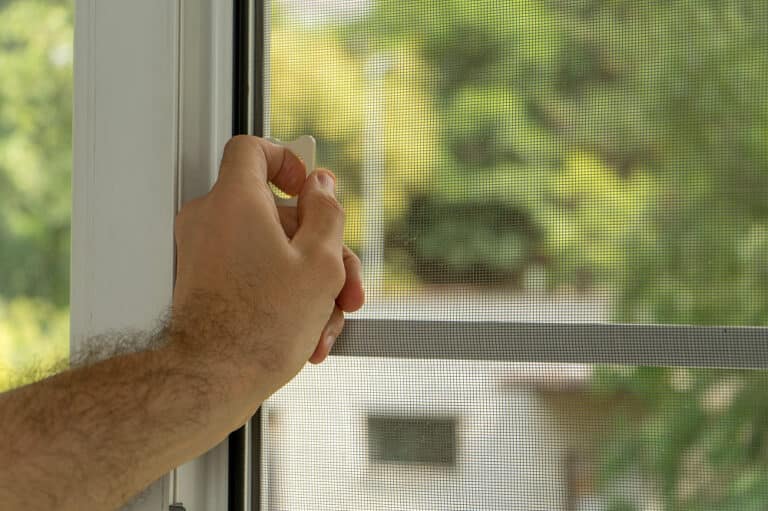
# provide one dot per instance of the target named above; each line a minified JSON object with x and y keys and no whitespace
{"x":352,"y":295}
{"x":328,"y":337}
{"x":253,"y":159}
{"x":321,"y":217}
{"x":289,"y":219}
{"x":350,"y":299}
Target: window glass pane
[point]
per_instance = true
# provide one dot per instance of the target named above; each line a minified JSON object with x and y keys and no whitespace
{"x":36,"y":39}
{"x":603,"y":160}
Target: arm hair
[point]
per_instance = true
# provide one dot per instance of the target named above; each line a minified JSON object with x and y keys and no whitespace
{"x":95,"y":432}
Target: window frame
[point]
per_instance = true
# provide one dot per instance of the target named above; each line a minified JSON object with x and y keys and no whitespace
{"x":379,"y":424}
{"x":152,"y":112}
{"x":169,"y":65}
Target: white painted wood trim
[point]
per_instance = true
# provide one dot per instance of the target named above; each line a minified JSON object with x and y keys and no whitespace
{"x":152,"y":112}
{"x":205,"y":126}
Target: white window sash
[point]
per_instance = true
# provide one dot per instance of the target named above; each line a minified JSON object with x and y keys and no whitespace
{"x":152,"y":113}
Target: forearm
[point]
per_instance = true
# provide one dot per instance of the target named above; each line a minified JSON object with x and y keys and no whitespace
{"x":93,"y":437}
{"x":254,"y":299}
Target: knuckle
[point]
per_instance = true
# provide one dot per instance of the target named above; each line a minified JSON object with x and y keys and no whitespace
{"x":330,"y":264}
{"x":337,"y":276}
{"x":236,"y":142}
{"x":353,"y":258}
{"x":330,"y":203}
{"x":238,"y":149}
{"x":326,"y":257}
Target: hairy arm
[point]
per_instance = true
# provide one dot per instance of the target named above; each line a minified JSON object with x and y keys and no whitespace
{"x":93,"y":437}
{"x":259,"y":292}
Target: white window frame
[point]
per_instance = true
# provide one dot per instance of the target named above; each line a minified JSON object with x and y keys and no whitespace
{"x":153,"y":109}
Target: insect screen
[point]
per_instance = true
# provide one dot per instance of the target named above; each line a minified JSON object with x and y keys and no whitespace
{"x":562,"y":212}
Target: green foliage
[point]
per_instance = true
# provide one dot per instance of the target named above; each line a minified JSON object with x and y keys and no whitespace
{"x":702,"y":437}
{"x":329,"y":101}
{"x":36,"y":39}
{"x":450,"y":242}
{"x":34,"y":336}
{"x":622,"y":145}
{"x":662,"y":108}
{"x":35,"y":149}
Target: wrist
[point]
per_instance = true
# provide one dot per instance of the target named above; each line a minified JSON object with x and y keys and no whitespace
{"x":223,"y":405}
{"x":234,"y":387}
{"x":241,"y":341}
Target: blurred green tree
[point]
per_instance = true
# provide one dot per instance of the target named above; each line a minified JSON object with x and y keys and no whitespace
{"x":667,"y":98}
{"x":624,"y":145}
{"x":36,"y":40}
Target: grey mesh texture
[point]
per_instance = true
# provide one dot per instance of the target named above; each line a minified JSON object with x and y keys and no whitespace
{"x":562,"y":212}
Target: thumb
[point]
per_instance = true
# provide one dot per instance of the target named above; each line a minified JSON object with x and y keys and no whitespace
{"x":321,"y":217}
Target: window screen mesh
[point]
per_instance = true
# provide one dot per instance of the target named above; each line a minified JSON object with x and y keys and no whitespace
{"x":550,"y":162}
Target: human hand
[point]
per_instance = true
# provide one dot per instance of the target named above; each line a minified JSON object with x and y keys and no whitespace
{"x":351,"y":297}
{"x":261,"y":290}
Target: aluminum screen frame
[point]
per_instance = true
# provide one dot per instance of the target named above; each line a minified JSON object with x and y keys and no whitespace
{"x":647,"y":345}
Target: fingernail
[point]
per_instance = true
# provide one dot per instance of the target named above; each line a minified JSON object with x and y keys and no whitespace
{"x":327,"y":181}
{"x":329,"y":341}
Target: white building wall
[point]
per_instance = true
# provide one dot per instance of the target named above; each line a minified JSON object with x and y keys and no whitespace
{"x":508,"y":453}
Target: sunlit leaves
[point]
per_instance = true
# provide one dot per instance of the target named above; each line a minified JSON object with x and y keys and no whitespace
{"x":36,"y":39}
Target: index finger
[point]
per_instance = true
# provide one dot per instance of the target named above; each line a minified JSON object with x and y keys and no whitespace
{"x":252,"y":159}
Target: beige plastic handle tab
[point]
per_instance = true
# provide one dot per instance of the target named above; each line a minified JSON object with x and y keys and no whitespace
{"x":305,"y":147}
